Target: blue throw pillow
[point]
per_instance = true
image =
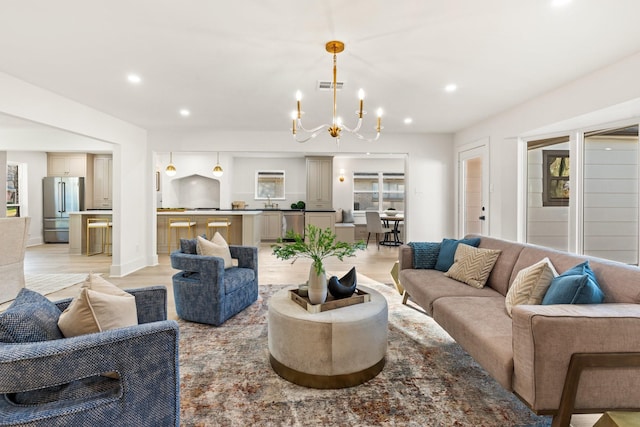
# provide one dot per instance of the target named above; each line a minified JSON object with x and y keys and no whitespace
{"x":578,"y":285}
{"x":425,"y":254}
{"x":30,"y":318}
{"x":448,"y":251}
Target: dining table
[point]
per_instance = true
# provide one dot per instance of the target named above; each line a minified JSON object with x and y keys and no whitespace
{"x":392,"y":222}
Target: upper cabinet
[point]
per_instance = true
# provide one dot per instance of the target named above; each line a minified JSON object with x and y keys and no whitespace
{"x":66,"y":164}
{"x":319,"y":183}
{"x":102,"y":177}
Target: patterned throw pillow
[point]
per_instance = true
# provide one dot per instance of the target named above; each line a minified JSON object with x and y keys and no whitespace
{"x":473,"y":265}
{"x":530,"y":284}
{"x":425,"y":254}
{"x":30,"y":318}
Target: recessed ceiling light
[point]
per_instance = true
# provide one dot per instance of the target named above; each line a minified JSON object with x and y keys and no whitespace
{"x":560,"y":3}
{"x":134,"y":78}
{"x":608,"y":149}
{"x":185,"y":113}
{"x":452,"y":87}
{"x":408,"y":121}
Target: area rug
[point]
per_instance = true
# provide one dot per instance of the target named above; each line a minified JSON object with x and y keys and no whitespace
{"x":51,"y":282}
{"x":428,"y":380}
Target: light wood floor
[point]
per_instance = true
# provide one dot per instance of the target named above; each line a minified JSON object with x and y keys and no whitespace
{"x":55,"y":258}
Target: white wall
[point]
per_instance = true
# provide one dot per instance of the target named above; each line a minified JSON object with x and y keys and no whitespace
{"x":133,"y":195}
{"x":607,"y":95}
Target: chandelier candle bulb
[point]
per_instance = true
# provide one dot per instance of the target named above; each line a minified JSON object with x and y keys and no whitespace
{"x":298,"y":98}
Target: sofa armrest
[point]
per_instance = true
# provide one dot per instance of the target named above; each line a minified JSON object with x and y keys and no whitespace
{"x":546,"y":336}
{"x":405,"y":257}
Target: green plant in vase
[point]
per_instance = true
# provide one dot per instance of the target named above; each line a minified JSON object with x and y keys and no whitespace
{"x":317,"y":245}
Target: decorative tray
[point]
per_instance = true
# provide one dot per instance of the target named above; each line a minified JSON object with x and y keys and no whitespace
{"x":358,"y":297}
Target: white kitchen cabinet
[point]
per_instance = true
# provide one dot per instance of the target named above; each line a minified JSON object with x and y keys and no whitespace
{"x":319,"y":183}
{"x":66,"y":164}
{"x":271,"y":225}
{"x":102,"y":177}
{"x":321,"y":220}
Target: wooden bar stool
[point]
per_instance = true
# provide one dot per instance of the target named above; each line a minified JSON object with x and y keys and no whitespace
{"x":177,"y":224}
{"x":215,"y":224}
{"x":104,"y":225}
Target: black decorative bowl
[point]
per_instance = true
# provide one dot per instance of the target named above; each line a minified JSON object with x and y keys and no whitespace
{"x":345,"y":286}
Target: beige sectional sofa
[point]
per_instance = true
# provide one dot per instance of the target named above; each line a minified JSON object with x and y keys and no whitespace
{"x":529,"y":353}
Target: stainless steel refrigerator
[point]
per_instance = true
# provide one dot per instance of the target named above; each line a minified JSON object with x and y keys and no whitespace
{"x":61,"y":195}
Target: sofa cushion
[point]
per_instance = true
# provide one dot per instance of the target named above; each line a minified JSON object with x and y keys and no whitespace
{"x":473,"y":265}
{"x":425,"y":254}
{"x":448,"y":251}
{"x":483,"y":328}
{"x":501,"y":275}
{"x":531,"y":284}
{"x":30,"y":318}
{"x":100,"y":306}
{"x":237,"y":277}
{"x":217,"y":247}
{"x":426,"y":286}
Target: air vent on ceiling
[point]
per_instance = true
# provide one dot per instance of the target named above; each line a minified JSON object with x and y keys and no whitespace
{"x":328,"y":85}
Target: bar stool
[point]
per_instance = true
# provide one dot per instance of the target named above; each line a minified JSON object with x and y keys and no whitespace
{"x":216,"y":223}
{"x":104,"y":225}
{"x":177,"y":224}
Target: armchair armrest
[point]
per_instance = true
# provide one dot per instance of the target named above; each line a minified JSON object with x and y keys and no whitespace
{"x":545,"y":337}
{"x":247,"y":256}
{"x":30,"y":366}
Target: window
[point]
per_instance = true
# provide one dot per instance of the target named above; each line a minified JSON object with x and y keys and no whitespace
{"x":555,"y":191}
{"x":378,"y":191}
{"x":13,"y":190}
{"x":269,"y":185}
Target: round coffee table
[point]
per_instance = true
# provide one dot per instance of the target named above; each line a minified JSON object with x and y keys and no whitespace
{"x":338,"y":348}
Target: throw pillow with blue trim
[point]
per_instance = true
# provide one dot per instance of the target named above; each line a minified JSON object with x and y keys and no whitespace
{"x":578,"y":285}
{"x":425,"y":254}
{"x":448,"y":251}
{"x":30,"y":318}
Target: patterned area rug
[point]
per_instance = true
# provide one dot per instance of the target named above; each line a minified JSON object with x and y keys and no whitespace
{"x":52,"y":282}
{"x":428,"y":380}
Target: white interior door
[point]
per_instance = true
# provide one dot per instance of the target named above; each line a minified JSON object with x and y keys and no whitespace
{"x":474,"y":191}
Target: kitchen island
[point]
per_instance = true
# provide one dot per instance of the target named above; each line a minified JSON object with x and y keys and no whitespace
{"x":245,"y":226}
{"x":78,"y":230}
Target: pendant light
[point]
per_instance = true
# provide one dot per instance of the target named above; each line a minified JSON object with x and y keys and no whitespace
{"x":217,"y":169}
{"x":171,"y":169}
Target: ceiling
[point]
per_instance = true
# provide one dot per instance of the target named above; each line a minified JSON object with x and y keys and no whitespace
{"x":236,"y":65}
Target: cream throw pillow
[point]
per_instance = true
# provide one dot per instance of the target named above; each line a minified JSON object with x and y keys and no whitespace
{"x":473,"y":265}
{"x":101,"y":306}
{"x":217,"y":247}
{"x":530,"y":284}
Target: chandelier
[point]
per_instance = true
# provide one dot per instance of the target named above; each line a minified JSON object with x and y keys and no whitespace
{"x":337,"y":126}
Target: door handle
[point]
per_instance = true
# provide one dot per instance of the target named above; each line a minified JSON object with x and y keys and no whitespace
{"x":482,"y":218}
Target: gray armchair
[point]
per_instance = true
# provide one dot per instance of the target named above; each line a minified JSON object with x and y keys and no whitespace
{"x":206,"y":292}
{"x":71,"y":381}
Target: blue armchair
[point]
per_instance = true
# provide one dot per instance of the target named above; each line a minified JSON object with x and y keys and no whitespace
{"x":207,"y":293}
{"x":70,"y":381}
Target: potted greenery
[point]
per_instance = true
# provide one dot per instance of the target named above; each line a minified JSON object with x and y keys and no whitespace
{"x":317,"y":245}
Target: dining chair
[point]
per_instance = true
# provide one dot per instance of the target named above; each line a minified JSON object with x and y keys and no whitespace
{"x":374,"y":225}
